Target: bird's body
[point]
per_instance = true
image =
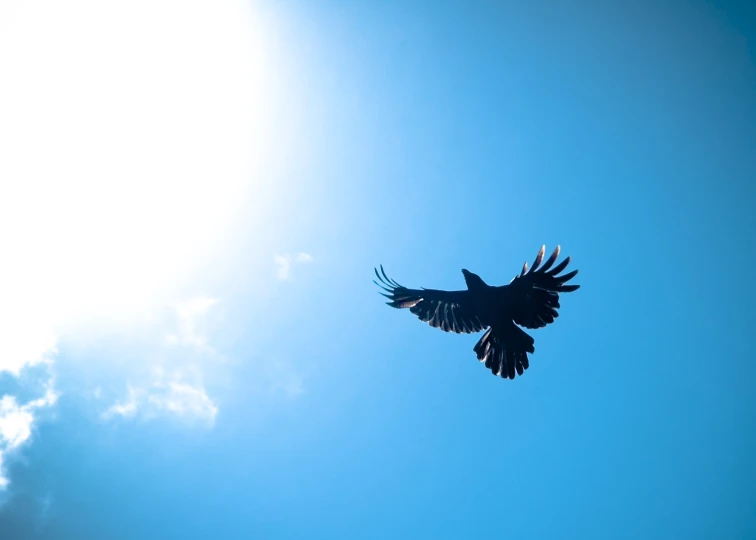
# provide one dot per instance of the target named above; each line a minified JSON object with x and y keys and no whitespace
{"x":530,"y":300}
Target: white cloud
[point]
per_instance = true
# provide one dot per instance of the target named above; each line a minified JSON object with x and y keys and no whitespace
{"x":16,"y":422}
{"x":285,"y":262}
{"x":160,"y":398}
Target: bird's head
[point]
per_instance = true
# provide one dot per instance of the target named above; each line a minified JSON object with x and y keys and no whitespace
{"x":473,"y":281}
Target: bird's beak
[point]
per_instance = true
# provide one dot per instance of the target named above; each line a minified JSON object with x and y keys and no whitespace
{"x":465,"y":271}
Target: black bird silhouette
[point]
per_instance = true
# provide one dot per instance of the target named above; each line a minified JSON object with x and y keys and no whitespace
{"x":531,"y":300}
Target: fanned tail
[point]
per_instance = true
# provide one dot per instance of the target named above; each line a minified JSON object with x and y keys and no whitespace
{"x":505,"y":350}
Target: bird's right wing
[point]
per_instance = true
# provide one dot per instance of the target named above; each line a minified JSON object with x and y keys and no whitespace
{"x":451,"y":311}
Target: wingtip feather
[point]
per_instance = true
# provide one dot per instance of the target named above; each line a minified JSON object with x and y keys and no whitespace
{"x":539,"y":258}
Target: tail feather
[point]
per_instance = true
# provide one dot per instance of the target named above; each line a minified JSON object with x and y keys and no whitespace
{"x":504,"y":350}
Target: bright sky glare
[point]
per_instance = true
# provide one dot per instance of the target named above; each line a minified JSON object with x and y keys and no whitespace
{"x":128,"y":136}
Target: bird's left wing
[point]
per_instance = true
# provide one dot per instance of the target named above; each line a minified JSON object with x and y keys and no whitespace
{"x":451,"y":311}
{"x":536,"y":291}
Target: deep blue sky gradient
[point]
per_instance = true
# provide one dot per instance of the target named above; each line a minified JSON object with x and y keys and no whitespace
{"x":435,"y":137}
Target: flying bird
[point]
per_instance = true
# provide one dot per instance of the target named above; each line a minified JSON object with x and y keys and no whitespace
{"x":530,"y":300}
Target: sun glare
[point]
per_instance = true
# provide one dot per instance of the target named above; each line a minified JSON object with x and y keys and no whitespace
{"x":126,"y":133}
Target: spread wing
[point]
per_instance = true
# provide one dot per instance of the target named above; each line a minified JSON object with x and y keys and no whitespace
{"x":451,"y":311}
{"x":536,"y":292}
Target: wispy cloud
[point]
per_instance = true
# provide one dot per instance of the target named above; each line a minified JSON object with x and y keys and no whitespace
{"x":279,"y":377}
{"x":174,"y":385}
{"x":284,"y":264}
{"x":16,"y":422}
{"x":191,"y":322}
{"x":290,"y":385}
{"x":173,"y":398}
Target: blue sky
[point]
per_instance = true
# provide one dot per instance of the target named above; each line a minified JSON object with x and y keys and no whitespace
{"x":194,"y":199}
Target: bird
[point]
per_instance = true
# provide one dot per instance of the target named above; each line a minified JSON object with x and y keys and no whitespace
{"x":530,"y":300}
